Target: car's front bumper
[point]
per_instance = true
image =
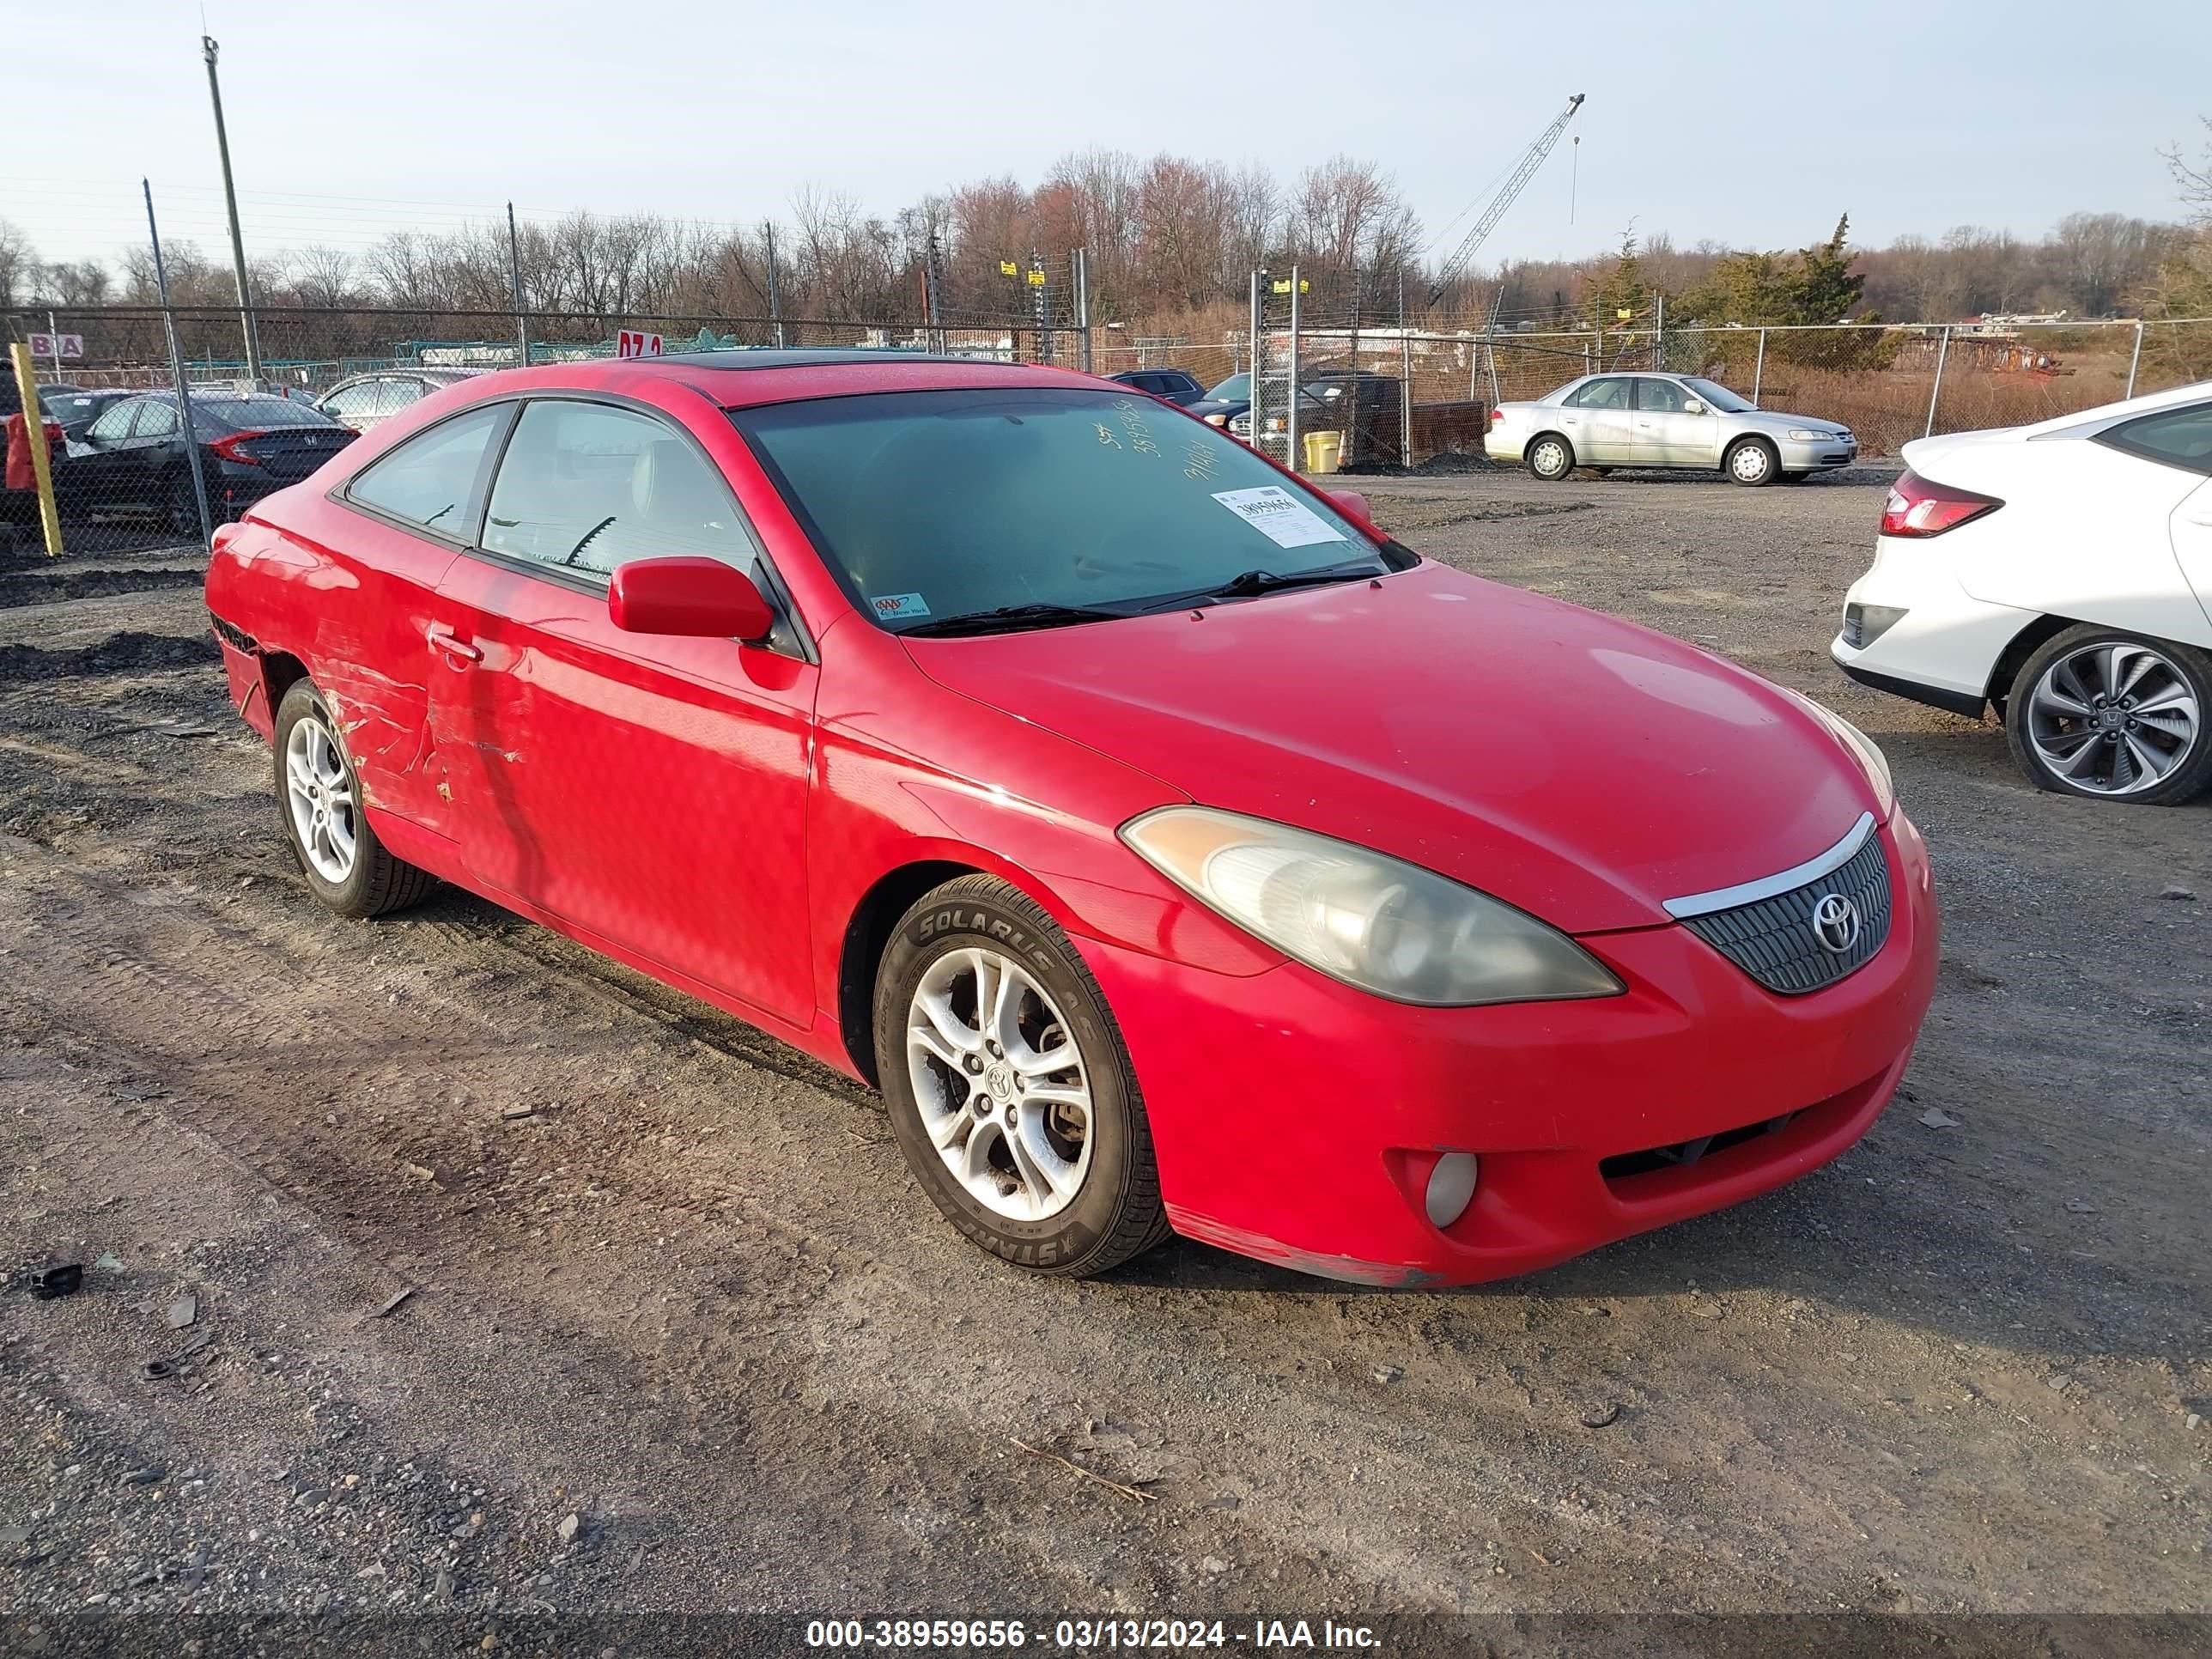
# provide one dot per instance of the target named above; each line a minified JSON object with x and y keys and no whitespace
{"x":1297,"y":1119}
{"x":1797,"y":457}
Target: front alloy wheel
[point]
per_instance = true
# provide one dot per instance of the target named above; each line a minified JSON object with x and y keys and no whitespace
{"x":1000,"y":1084}
{"x":2111,"y":715}
{"x":1752,"y":464}
{"x":1010,"y":1095}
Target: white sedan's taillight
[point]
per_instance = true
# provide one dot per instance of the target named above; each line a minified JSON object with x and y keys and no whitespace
{"x":1917,"y":508}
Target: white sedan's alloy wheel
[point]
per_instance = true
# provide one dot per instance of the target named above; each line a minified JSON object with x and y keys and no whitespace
{"x":2113,"y":718}
{"x":1001,"y":1087}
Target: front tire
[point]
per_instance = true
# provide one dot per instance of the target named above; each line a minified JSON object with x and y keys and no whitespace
{"x":318,"y":798}
{"x":1751,"y":462}
{"x":1010,"y":1092}
{"x":1550,"y":458}
{"x":2114,"y":716}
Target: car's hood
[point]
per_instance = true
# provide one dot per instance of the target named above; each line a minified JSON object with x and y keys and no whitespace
{"x":1577,"y":766}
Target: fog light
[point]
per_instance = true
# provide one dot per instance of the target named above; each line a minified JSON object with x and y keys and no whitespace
{"x":1451,"y":1187}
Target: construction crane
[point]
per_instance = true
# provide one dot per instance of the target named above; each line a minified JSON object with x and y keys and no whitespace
{"x":1512,"y":188}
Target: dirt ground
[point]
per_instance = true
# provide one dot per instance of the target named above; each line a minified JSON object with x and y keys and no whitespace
{"x":686,"y":1337}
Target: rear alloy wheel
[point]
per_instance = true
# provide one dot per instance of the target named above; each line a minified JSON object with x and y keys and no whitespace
{"x":2114,"y":716}
{"x":1550,"y":458}
{"x":345,"y":864}
{"x":1751,"y":462}
{"x":183,"y":507}
{"x":1010,"y":1094}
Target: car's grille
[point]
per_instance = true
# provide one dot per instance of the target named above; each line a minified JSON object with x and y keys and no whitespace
{"x":1776,"y":940}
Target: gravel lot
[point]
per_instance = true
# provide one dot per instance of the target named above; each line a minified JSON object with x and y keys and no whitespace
{"x":682,"y":1334}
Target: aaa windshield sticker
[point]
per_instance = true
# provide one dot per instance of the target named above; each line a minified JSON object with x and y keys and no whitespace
{"x":1278,"y":515}
{"x":897,"y":607}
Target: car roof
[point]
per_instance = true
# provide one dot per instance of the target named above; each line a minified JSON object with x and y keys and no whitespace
{"x":744,"y":376}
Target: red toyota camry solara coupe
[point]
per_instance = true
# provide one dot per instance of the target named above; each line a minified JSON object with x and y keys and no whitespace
{"x":1176,"y":851}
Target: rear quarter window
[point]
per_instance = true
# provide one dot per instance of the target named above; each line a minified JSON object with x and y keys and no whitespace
{"x":2173,"y":437}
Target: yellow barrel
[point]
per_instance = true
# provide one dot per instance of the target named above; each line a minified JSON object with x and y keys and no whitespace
{"x":1324,"y":451}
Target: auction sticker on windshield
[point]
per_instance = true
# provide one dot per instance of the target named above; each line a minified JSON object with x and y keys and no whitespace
{"x":1278,"y":515}
{"x":896,"y":607}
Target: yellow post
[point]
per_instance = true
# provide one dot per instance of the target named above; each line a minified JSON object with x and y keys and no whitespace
{"x":35,"y":424}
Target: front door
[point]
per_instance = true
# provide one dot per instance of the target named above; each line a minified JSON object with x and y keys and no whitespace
{"x":648,"y":789}
{"x":1666,"y":432}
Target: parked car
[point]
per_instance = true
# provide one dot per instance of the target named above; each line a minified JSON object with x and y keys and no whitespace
{"x":366,"y":400}
{"x":1224,"y":400}
{"x":75,"y":408}
{"x":132,"y":458}
{"x":1317,"y":407}
{"x":2062,"y":571}
{"x":1109,"y":803}
{"x":1168,"y":384}
{"x":1606,"y":421}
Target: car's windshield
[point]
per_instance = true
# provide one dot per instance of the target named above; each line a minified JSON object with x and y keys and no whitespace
{"x":933,"y":505}
{"x":1719,"y":396}
{"x":1236,"y":388}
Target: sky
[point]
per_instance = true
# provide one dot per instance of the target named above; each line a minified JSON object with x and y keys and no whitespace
{"x":1752,"y":124}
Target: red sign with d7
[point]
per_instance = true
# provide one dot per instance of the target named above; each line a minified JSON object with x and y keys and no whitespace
{"x":634,"y":342}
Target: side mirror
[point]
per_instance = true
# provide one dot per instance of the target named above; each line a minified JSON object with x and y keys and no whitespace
{"x":689,"y":598}
{"x":1693,"y":407}
{"x":1351,"y":501}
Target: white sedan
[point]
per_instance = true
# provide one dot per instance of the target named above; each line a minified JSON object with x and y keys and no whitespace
{"x":2062,"y":571}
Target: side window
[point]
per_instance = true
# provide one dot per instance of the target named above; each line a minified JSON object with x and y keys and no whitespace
{"x":351,"y":402}
{"x":1609,"y":393}
{"x":114,"y":423}
{"x":2178,"y":437}
{"x":591,"y":487}
{"x":394,"y":394}
{"x":430,"y":479}
{"x":155,"y":420}
{"x":1660,"y":397}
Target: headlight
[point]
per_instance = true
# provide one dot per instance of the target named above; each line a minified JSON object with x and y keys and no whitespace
{"x":1868,"y":752}
{"x":1216,"y":420}
{"x":1806,"y":435}
{"x":1363,"y":917}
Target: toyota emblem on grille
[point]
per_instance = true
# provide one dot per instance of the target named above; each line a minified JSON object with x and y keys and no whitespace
{"x":1835,"y":923}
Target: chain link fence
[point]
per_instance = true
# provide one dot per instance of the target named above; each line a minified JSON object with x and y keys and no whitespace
{"x":1419,"y":394}
{"x":125,"y":479}
{"x":1337,"y":379}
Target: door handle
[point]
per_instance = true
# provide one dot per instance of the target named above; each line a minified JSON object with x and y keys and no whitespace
{"x":458,"y":649}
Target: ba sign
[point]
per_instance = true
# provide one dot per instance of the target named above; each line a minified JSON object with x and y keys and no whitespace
{"x":51,"y":346}
{"x":631,"y":343}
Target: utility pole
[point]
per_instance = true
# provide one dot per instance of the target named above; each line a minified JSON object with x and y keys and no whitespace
{"x":774,"y":300}
{"x":185,"y":425}
{"x":514,"y":280}
{"x":932,"y":281}
{"x":1081,"y":261}
{"x":207,"y":49}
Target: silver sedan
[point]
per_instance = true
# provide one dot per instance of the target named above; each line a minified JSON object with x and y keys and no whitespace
{"x":1605,"y":421}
